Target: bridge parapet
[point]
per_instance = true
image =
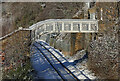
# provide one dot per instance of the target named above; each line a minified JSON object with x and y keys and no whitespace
{"x":64,"y":25}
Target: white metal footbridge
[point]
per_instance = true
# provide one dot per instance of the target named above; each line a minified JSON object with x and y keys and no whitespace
{"x":63,"y":25}
{"x":58,"y":26}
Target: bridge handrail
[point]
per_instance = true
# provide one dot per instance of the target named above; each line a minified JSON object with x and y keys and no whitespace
{"x":59,"y":20}
{"x":1,"y":38}
{"x":51,"y":26}
{"x":35,"y":26}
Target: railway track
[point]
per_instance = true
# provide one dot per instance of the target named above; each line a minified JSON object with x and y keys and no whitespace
{"x":63,"y":71}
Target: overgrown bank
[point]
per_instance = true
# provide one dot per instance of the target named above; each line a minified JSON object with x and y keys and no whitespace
{"x":16,"y":48}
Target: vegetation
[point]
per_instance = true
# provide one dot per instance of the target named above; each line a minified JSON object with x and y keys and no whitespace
{"x":16,"y":48}
{"x":20,"y":72}
{"x":103,"y":55}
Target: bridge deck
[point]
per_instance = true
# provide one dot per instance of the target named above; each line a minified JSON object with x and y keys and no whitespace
{"x":50,"y":64}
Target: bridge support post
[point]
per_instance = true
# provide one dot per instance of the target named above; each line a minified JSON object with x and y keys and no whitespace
{"x":73,"y":39}
{"x":48,"y":38}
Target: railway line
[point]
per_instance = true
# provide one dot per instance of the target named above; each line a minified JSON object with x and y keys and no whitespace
{"x":60,"y":65}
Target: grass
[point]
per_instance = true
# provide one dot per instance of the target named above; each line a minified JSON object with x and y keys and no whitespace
{"x":21,"y":72}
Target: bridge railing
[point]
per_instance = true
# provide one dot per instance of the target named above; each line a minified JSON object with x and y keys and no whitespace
{"x":59,"y":25}
{"x":64,"y":25}
{"x":20,"y":29}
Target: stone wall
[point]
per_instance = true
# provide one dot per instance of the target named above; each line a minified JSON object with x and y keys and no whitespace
{"x":103,"y":52}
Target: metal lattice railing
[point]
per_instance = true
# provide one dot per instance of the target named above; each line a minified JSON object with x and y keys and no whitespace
{"x":60,"y":25}
{"x":63,"y":25}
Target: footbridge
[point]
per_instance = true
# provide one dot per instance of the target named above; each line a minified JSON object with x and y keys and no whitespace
{"x":63,"y":25}
{"x":58,"y":26}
